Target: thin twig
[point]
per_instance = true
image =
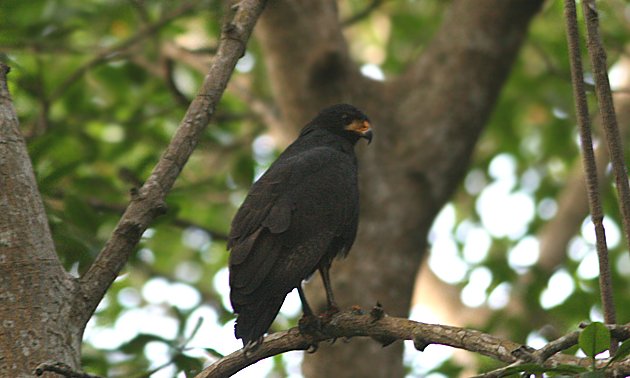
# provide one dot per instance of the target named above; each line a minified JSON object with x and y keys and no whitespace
{"x":148,"y":202}
{"x":239,"y":86}
{"x":177,"y":222}
{"x":179,"y":350}
{"x":362,"y":13}
{"x":588,"y":159}
{"x":557,"y":345}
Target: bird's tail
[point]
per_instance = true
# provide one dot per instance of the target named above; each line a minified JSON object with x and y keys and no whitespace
{"x":254,"y":319}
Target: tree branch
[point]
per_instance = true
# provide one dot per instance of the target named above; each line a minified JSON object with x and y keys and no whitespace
{"x":148,"y":202}
{"x":177,"y":222}
{"x":476,"y":46}
{"x":24,"y":231}
{"x":362,"y":14}
{"x":239,"y":86}
{"x":588,"y":160}
{"x":546,"y":356}
{"x":354,"y":323}
{"x":607,"y":110}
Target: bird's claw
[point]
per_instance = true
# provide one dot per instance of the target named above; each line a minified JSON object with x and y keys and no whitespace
{"x":312,"y":348}
{"x":377,"y":313}
{"x":327,"y":315}
{"x":332,"y":309}
{"x":251,"y":346}
{"x":309,"y":325}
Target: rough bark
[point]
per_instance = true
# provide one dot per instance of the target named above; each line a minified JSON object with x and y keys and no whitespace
{"x":34,"y":312}
{"x":426,"y":124}
{"x":378,"y":326}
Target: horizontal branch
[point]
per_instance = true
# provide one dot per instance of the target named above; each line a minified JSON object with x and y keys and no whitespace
{"x":386,"y":329}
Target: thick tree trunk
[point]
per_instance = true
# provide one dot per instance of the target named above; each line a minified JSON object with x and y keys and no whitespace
{"x":426,"y":125}
{"x":34,"y":316}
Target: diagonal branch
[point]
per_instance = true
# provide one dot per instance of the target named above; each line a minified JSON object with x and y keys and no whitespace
{"x":148,"y":202}
{"x":381,"y":327}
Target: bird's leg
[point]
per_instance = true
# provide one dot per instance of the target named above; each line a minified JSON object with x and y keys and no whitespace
{"x":309,"y":324}
{"x":330,"y":298}
{"x":306,"y":309}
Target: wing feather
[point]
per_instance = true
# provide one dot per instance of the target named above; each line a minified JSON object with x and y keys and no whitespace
{"x":289,"y":222}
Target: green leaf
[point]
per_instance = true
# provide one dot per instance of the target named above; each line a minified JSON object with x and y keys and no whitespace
{"x":214,"y":353}
{"x":136,"y":344}
{"x":190,"y":365}
{"x":594,"y":339}
{"x":622,"y":352}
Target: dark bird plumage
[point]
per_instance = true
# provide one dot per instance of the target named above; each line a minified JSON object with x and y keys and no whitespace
{"x":300,"y":215}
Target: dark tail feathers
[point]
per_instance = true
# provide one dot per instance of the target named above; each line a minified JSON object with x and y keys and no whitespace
{"x":255,"y":319}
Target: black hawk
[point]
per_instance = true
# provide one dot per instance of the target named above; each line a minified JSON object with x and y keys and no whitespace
{"x":300,"y":215}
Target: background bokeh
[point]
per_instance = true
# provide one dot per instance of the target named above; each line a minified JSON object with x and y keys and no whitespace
{"x":100,"y":87}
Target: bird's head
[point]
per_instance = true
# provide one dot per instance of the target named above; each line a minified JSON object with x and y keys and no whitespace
{"x":344,"y":120}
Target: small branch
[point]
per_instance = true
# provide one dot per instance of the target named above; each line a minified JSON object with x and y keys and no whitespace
{"x":562,"y":343}
{"x":356,"y":323}
{"x":539,"y":356}
{"x":263,"y":110}
{"x":61,"y":369}
{"x":588,"y":160}
{"x":361,"y":14}
{"x":148,"y":202}
{"x":178,"y":222}
{"x":178,"y":352}
{"x":607,"y":110}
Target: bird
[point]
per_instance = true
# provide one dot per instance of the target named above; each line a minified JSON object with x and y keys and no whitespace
{"x":297,"y":217}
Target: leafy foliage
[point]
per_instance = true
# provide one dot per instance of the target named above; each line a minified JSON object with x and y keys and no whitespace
{"x":96,"y":124}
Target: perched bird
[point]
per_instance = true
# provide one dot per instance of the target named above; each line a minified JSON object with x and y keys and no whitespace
{"x":300,"y":215}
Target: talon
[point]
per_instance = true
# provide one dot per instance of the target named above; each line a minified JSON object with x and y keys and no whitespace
{"x":377,"y":312}
{"x":329,"y":313}
{"x":309,"y":325}
{"x":252,"y":346}
{"x":312,"y":348}
{"x":333,"y":309}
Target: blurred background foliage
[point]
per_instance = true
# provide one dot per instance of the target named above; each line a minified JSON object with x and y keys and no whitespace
{"x":99,"y":92}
